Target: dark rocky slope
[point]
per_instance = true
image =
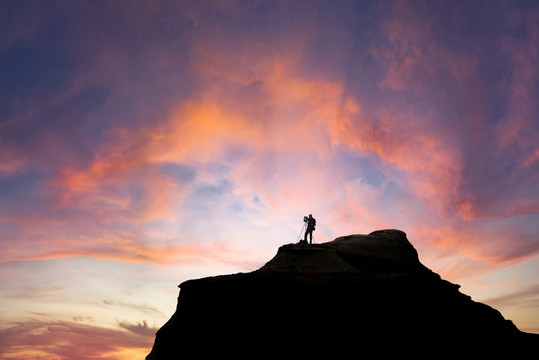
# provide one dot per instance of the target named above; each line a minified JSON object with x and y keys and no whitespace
{"x":354,"y":296}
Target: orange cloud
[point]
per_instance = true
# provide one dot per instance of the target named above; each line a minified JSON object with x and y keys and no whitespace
{"x":70,"y":340}
{"x":257,"y":111}
{"x":104,"y":186}
{"x":282,"y":121}
{"x":295,"y":119}
{"x":132,"y":251}
{"x":432,"y":168}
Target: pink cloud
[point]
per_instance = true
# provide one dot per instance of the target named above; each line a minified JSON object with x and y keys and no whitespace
{"x":10,"y":163}
{"x":72,"y":340}
{"x":288,"y":128}
{"x":412,"y":132}
{"x":127,"y":250}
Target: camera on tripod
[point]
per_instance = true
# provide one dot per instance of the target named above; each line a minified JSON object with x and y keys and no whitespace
{"x":305,"y":219}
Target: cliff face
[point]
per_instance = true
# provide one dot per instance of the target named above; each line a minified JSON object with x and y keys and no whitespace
{"x":356,"y":293}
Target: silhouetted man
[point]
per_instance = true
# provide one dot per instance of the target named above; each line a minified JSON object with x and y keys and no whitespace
{"x":311,"y":223}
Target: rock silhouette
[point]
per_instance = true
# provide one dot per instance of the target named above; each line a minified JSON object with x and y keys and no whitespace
{"x":356,"y":296}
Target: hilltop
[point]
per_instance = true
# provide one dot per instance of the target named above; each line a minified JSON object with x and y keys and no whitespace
{"x":357,"y":293}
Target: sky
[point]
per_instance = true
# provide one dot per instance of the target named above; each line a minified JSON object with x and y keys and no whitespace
{"x":145,"y":143}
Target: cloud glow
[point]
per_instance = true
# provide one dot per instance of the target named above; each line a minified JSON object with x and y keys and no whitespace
{"x":153,"y":143}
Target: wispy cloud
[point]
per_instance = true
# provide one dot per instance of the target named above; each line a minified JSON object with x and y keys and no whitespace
{"x":140,"y":328}
{"x":192,"y":134}
{"x":261,"y":113}
{"x":528,"y":297}
{"x":71,"y":340}
{"x":142,"y":307}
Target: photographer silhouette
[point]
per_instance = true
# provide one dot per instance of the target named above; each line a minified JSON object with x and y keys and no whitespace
{"x":311,"y":223}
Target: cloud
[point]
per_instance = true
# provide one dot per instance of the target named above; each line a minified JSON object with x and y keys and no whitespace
{"x":528,"y":297}
{"x":124,"y":183}
{"x":522,"y":304}
{"x":261,"y":121}
{"x":455,"y":109}
{"x":141,"y":329}
{"x":431,"y":168}
{"x":142,"y":307}
{"x":127,"y":250}
{"x":10,"y":162}
{"x":198,"y":136}
{"x":71,"y":340}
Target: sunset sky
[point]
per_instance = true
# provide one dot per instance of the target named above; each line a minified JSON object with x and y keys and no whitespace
{"x":145,"y":143}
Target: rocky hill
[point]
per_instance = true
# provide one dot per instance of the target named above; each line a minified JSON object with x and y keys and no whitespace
{"x":353,"y":296}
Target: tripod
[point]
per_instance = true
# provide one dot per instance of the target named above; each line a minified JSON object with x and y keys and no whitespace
{"x":301,"y":232}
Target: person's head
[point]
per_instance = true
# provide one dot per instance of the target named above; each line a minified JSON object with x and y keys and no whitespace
{"x":310,"y":215}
